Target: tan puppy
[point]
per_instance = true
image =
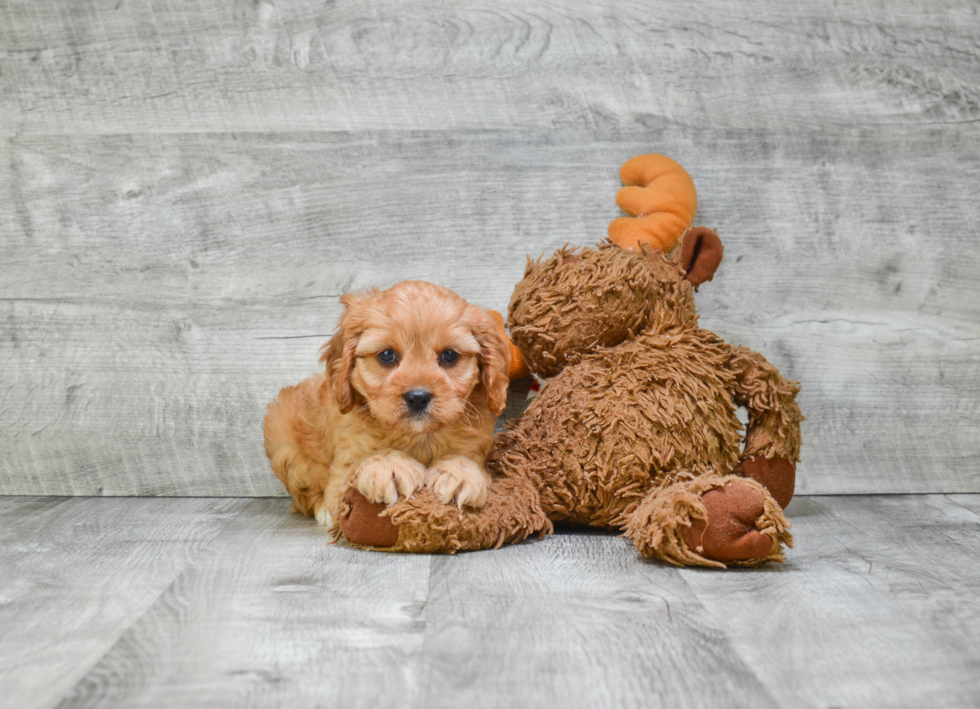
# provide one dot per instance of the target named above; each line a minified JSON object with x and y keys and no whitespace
{"x":415,"y":377}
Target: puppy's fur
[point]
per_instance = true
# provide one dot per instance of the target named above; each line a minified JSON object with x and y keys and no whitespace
{"x":353,"y":426}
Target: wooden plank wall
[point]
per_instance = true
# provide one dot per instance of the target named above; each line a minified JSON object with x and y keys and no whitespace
{"x":185,"y":188}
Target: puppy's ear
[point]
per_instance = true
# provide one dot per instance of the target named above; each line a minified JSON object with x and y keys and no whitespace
{"x":339,"y":355}
{"x":350,"y":299}
{"x":494,"y":359}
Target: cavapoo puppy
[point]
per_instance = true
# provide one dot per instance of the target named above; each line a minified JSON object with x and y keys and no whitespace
{"x":415,"y":377}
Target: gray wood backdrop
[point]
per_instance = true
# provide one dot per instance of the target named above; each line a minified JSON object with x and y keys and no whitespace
{"x":186,"y":188}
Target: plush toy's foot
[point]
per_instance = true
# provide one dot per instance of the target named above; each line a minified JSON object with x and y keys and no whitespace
{"x":361,"y":522}
{"x":710,"y":522}
{"x":728,"y":532}
{"x":777,"y":475}
{"x":423,"y":524}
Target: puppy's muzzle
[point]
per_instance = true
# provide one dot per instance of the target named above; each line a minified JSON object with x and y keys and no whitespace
{"x":417,"y":401}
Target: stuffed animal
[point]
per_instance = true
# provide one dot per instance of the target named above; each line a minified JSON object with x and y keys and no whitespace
{"x":635,"y":429}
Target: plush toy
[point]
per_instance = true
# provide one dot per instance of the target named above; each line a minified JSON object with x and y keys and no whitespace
{"x":636,"y":427}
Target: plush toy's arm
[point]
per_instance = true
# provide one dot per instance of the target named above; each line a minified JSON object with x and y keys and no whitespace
{"x":772,"y":441}
{"x":774,"y":415}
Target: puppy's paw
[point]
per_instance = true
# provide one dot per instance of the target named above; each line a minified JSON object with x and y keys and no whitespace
{"x":323,"y":516}
{"x":460,"y":479}
{"x":326,"y":521}
{"x":385,"y":477}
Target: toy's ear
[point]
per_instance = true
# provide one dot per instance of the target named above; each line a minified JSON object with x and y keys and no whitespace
{"x":701,"y":254}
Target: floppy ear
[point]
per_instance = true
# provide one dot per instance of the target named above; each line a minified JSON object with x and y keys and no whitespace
{"x":338,"y":354}
{"x":494,"y":359}
{"x":701,"y":254}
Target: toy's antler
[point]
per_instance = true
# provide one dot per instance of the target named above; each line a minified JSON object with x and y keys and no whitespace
{"x":661,"y":197}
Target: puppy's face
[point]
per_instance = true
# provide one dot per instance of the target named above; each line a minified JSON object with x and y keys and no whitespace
{"x":418,"y":357}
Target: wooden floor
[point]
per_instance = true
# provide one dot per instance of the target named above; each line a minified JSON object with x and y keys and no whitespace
{"x":234,"y":602}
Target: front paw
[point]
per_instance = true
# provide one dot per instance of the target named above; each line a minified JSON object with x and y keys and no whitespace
{"x":460,"y":479}
{"x":385,"y":477}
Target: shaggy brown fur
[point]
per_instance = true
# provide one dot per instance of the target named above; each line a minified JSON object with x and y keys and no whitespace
{"x":636,"y":430}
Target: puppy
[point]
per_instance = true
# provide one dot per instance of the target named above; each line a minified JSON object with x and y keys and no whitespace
{"x":415,"y":377}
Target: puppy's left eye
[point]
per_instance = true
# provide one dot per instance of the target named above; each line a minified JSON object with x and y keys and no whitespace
{"x":448,"y":356}
{"x":388,"y":358}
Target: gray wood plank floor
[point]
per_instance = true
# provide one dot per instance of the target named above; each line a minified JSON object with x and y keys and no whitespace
{"x":185,"y":188}
{"x":216,"y":602}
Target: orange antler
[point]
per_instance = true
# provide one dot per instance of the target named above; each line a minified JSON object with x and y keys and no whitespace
{"x":661,"y":197}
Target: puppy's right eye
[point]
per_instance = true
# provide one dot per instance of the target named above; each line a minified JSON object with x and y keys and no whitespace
{"x":387,"y":358}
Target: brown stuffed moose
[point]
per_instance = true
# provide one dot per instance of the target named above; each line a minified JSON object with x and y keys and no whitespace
{"x":635,"y":428}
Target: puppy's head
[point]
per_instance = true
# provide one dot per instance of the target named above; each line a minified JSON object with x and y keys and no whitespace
{"x":418,"y":357}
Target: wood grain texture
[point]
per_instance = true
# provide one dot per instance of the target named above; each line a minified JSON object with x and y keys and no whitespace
{"x":878,"y":605}
{"x":575,"y":620}
{"x":185,"y":189}
{"x":154,"y":66}
{"x":291,"y":622}
{"x":158,"y":290}
{"x":77,"y":573}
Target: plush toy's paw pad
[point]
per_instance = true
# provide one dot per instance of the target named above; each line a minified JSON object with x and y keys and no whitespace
{"x":777,"y":475}
{"x":385,"y":477}
{"x":459,"y":479}
{"x":361,"y":523}
{"x":730,"y":532}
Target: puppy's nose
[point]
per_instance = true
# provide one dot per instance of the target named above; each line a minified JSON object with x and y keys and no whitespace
{"x":418,"y":400}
